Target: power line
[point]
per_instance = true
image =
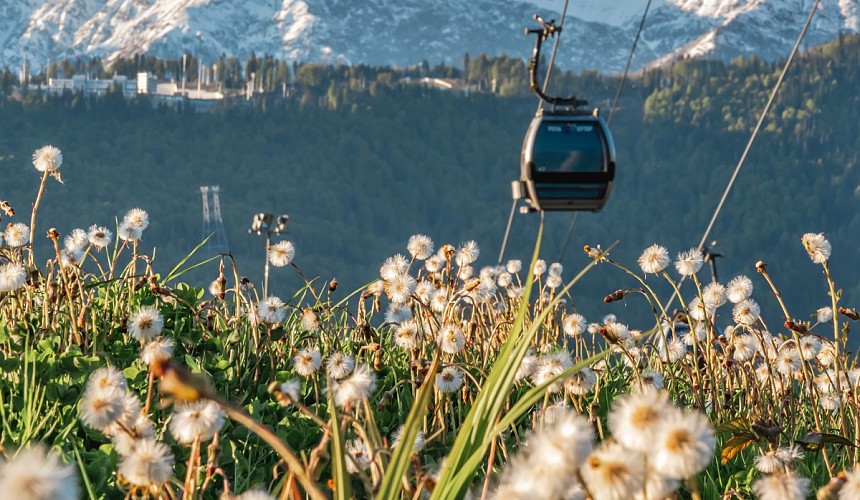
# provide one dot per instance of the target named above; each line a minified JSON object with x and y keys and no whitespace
{"x":761,"y":119}
{"x":627,"y":66}
{"x":611,"y":111}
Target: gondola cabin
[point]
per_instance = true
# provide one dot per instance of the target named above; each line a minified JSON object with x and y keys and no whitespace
{"x":567,"y":162}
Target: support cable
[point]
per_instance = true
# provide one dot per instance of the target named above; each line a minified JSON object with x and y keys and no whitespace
{"x":761,"y":119}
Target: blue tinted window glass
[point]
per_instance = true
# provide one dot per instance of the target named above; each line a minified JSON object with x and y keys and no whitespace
{"x":568,"y":147}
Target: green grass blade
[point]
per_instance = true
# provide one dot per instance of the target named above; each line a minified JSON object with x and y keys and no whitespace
{"x":83,"y":470}
{"x":342,"y":490}
{"x":172,"y":274}
{"x":389,"y":489}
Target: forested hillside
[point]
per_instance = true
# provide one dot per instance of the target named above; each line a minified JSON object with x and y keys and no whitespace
{"x":362,"y":162}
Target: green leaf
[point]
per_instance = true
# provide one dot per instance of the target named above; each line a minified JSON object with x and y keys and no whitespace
{"x":815,"y":441}
{"x":735,"y":426}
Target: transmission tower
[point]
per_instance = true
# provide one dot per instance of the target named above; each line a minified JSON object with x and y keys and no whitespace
{"x":212,"y":223}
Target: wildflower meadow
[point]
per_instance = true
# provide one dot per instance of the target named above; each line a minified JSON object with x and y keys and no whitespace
{"x":443,"y":378}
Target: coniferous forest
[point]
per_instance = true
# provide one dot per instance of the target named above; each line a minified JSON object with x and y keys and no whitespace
{"x":361,"y":158}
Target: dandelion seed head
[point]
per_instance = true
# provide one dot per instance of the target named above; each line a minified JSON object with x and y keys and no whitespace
{"x":352,"y":390}
{"x":307,"y":361}
{"x":12,"y":277}
{"x":309,"y":320}
{"x":539,"y":267}
{"x":527,"y":366}
{"x":824,"y":314}
{"x":420,"y":246}
{"x":357,"y":455}
{"x":292,"y":388}
{"x":101,"y":407}
{"x":393,"y":266}
{"x":47,"y":159}
{"x":17,"y":234}
{"x":37,"y":474}
{"x":399,"y":288}
{"x":449,"y":380}
{"x":613,"y":472}
{"x":581,"y":382}
{"x":739,"y":289}
{"x":281,"y":254}
{"x":654,"y":259}
{"x":434,"y":264}
{"x":271,"y":310}
{"x":574,"y":324}
{"x":76,"y":241}
{"x":549,"y":367}
{"x":851,"y":489}
{"x":714,"y":294}
{"x":125,"y":444}
{"x":467,"y":253}
{"x":417,"y":444}
{"x":451,"y":339}
{"x":339,"y":365}
{"x":425,"y":291}
{"x":151,"y":464}
{"x":514,"y":266}
{"x":196,"y":420}
{"x":688,"y":263}
{"x":99,"y":236}
{"x":136,"y":218}
{"x":555,"y":269}
{"x":817,"y":247}
{"x":746,"y":312}
{"x":635,"y":418}
{"x":396,"y":313}
{"x":782,"y":486}
{"x":406,"y":335}
{"x":810,"y":346}
{"x":157,"y":350}
{"x":684,"y":445}
{"x":503,"y":279}
{"x":106,"y":377}
{"x":128,"y":233}
{"x":146,"y":324}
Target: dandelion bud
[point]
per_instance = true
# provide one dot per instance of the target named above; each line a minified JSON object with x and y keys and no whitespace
{"x":760,"y":267}
{"x":614,"y":296}
{"x":53,"y":234}
{"x":7,"y":208}
{"x":332,"y":286}
{"x":851,"y":313}
{"x":796,"y":326}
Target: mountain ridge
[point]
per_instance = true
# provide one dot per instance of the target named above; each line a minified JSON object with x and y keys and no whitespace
{"x":379,"y":32}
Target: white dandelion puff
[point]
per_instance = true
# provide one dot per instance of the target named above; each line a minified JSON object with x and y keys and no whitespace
{"x":281,"y":253}
{"x":339,"y":365}
{"x":782,"y":486}
{"x":99,"y":236}
{"x":393,"y":266}
{"x":136,"y":218}
{"x":47,"y":159}
{"x":197,"y":420}
{"x":739,"y":289}
{"x":307,"y":361}
{"x":159,"y":349}
{"x":450,"y":379}
{"x":688,"y":263}
{"x":76,"y":241}
{"x":151,"y":464}
{"x":467,"y":253}
{"x":146,"y":324}
{"x":451,"y":339}
{"x":17,"y":234}
{"x":613,"y":472}
{"x":683,"y":445}
{"x":12,"y":277}
{"x":817,"y":247}
{"x":654,"y":259}
{"x":406,"y":335}
{"x":36,"y":474}
{"x":420,"y":246}
{"x":746,"y":312}
{"x":271,"y":310}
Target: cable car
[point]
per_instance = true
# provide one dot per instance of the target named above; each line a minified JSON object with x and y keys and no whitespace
{"x":567,"y":162}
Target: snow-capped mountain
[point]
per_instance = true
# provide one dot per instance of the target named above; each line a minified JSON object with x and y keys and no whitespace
{"x":597,"y":35}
